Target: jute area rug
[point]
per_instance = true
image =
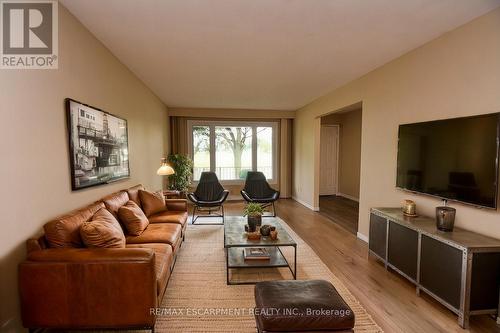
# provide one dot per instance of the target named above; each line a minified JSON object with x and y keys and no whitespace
{"x":198,"y":300}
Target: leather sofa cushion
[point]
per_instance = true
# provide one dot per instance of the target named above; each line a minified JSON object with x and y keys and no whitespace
{"x":166,"y":233}
{"x":133,"y":193}
{"x":169,"y":217}
{"x":102,"y":231}
{"x":64,"y":231}
{"x":163,"y":261}
{"x":152,"y":203}
{"x":133,"y":218}
{"x":114,"y":201}
{"x":318,"y":304}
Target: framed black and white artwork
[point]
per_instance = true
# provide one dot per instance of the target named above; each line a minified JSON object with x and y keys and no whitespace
{"x":98,"y":145}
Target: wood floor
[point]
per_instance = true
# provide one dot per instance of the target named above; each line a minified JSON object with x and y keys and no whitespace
{"x":389,"y":298}
{"x":340,"y":210}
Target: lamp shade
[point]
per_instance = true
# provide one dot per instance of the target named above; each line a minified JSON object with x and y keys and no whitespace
{"x":165,"y":169}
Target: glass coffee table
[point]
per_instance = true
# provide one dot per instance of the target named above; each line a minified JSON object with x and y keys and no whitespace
{"x":235,"y":241}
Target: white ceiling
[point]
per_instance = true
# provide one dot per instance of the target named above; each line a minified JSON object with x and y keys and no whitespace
{"x":263,"y":54}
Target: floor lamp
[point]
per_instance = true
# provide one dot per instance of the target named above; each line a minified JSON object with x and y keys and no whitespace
{"x":165,"y":169}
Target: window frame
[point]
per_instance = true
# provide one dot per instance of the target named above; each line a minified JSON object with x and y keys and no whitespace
{"x":237,"y":123}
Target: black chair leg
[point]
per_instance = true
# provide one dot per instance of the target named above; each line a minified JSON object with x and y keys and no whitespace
{"x":194,"y":212}
{"x":266,"y":205}
{"x":196,"y":217}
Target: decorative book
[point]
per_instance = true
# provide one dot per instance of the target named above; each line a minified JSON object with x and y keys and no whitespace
{"x":256,"y":253}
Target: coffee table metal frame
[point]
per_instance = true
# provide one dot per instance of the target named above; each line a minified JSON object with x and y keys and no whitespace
{"x":235,"y":242}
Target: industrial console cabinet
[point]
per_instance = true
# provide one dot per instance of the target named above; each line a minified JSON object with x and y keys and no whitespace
{"x":460,"y":269}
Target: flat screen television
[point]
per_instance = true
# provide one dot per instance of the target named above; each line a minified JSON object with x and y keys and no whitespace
{"x":453,"y":159}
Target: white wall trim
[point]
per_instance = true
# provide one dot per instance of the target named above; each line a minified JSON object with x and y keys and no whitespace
{"x":362,"y":237}
{"x":303,"y":203}
{"x":9,"y":325}
{"x":347,"y":196}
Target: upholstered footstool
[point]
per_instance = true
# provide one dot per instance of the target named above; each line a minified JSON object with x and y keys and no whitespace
{"x":301,"y":306}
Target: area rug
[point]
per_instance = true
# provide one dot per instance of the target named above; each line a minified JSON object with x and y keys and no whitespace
{"x":198,"y":300}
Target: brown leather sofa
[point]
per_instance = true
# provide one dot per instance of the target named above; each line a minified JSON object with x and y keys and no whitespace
{"x":64,"y":285}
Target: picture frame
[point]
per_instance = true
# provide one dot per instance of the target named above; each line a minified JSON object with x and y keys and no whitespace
{"x":98,"y":145}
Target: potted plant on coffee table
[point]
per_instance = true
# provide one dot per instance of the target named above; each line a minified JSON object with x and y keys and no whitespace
{"x":253,"y":212}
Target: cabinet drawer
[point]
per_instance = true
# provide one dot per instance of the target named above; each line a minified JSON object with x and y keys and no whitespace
{"x":378,"y":235}
{"x":403,"y":249}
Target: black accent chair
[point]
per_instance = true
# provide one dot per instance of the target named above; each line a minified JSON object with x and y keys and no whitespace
{"x":258,"y":190}
{"x":209,"y":196}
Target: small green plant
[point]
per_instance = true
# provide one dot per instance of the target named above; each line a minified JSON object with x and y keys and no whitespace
{"x":253,"y":209}
{"x":183,"y":166}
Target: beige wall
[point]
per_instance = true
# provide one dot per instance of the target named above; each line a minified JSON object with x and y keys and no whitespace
{"x":455,"y":75}
{"x":350,"y":150}
{"x":35,"y":163}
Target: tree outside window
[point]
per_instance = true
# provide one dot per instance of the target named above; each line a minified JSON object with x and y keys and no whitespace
{"x":235,"y":152}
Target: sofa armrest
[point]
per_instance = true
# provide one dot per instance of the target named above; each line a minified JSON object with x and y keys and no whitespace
{"x":88,"y":288}
{"x":179,"y":205}
{"x":276,"y":195}
{"x":224,"y":196}
{"x":246,"y":196}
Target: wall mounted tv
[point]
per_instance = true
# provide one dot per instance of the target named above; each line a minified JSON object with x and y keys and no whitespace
{"x":454,"y":159}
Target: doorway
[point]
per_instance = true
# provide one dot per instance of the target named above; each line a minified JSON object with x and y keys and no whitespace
{"x":340,"y":161}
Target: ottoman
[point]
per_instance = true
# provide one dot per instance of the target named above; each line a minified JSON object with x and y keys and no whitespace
{"x":301,"y":306}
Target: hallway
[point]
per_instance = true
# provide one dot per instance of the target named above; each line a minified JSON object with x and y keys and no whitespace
{"x":340,"y":210}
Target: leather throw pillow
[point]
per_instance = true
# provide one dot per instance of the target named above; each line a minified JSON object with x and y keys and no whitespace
{"x":133,"y":218}
{"x":102,"y":231}
{"x":152,"y":203}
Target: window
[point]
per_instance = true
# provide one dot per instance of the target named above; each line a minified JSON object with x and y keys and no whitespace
{"x":231,"y":149}
{"x":265,"y":151}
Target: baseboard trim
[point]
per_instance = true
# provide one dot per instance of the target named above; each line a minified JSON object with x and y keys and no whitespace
{"x":362,"y":237}
{"x":12,"y":324}
{"x":347,"y":196}
{"x":303,"y":203}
